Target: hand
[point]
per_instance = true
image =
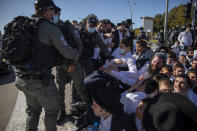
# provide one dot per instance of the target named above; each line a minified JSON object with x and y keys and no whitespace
{"x":141,"y":78}
{"x":104,"y":69}
{"x":109,"y":35}
{"x":118,"y":61}
{"x":111,"y":45}
{"x":71,"y":68}
{"x":113,"y":68}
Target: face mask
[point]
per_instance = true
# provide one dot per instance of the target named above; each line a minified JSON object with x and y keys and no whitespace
{"x":55,"y":19}
{"x":91,"y":30}
{"x":122,"y":51}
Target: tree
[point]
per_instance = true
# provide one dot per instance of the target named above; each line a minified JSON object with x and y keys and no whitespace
{"x":175,"y":18}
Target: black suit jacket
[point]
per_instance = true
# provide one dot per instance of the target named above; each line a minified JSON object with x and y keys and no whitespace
{"x":124,"y":121}
{"x":116,"y":39}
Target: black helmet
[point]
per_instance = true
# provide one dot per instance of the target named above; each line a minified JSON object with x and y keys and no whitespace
{"x":129,"y":21}
{"x":44,"y":5}
{"x":141,"y":28}
{"x":92,"y":21}
{"x":57,"y":9}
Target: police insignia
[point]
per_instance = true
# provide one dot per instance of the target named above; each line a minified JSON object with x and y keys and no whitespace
{"x":64,"y":42}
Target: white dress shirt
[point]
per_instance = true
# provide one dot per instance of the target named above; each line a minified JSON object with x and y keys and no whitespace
{"x":185,"y":38}
{"x":130,"y":77}
{"x":131,"y":100}
{"x":97,"y":49}
{"x":105,"y":124}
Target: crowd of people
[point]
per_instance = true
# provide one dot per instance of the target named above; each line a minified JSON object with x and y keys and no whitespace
{"x":122,"y":81}
{"x":121,"y":86}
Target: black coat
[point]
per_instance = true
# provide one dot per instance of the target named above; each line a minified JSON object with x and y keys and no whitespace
{"x":124,"y":121}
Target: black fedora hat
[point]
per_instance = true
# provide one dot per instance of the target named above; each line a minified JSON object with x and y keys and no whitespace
{"x":170,"y":112}
{"x":105,"y":95}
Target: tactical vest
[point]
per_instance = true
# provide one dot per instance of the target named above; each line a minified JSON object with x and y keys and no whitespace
{"x":88,"y":44}
{"x":42,"y":55}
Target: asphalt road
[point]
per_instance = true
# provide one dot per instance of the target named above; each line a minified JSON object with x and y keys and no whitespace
{"x":8,"y":96}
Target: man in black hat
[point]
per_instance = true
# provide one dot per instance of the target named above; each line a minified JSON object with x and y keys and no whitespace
{"x":107,"y":106}
{"x":118,"y":35}
{"x":129,"y":28}
{"x":170,"y":112}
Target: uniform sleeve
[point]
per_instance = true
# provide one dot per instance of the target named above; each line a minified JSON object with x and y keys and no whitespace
{"x":102,"y":45}
{"x":76,"y":37}
{"x":51,"y":35}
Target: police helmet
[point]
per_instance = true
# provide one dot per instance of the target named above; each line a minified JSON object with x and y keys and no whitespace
{"x":141,"y":28}
{"x":57,"y":9}
{"x":92,"y":21}
{"x":44,"y":5}
{"x":129,"y":21}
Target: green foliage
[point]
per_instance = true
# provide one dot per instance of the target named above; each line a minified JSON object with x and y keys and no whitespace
{"x":175,"y":18}
{"x":136,"y":31}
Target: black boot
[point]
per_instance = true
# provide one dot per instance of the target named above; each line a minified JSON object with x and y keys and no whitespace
{"x":61,"y":119}
{"x":77,"y":109}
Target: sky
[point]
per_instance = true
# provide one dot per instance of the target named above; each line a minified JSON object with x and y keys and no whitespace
{"x":115,"y":10}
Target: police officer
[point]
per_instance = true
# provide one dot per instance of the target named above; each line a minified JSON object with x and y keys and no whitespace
{"x":37,"y":83}
{"x":142,"y":34}
{"x":91,"y":39}
{"x":73,"y":68}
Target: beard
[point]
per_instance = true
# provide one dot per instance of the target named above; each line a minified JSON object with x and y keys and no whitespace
{"x":152,"y":71}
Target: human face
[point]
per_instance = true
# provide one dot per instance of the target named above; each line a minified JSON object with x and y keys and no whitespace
{"x":177,"y":43}
{"x":182,"y":59}
{"x":169,"y":60}
{"x":108,"y":27}
{"x":139,"y":48}
{"x":164,"y":88}
{"x":178,"y":71}
{"x":188,"y":29}
{"x":126,"y":49}
{"x":190,"y":54}
{"x":180,"y":85}
{"x":101,"y":27}
{"x":49,"y":14}
{"x":98,"y":111}
{"x":193,"y":78}
{"x":156,"y":63}
{"x":140,"y":110}
{"x":194,"y":64}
